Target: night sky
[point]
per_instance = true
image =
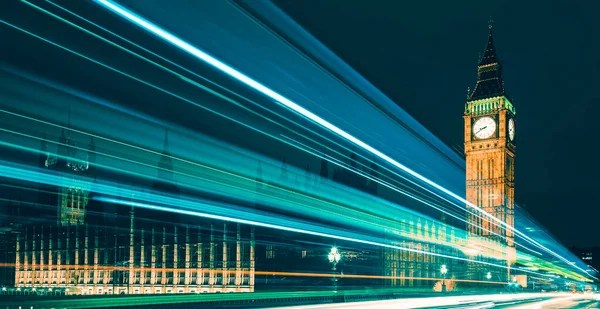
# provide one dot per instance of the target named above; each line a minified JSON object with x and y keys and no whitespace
{"x":424,"y":55}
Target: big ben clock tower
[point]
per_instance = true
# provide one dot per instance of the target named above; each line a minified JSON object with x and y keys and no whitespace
{"x":490,"y":152}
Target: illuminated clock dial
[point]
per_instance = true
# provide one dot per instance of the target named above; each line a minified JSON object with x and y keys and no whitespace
{"x":511,"y":129}
{"x":484,"y":127}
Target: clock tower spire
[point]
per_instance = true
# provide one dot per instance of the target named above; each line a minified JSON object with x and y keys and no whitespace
{"x":490,"y":151}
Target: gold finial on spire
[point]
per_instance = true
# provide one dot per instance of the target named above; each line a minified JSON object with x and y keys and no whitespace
{"x":490,"y":22}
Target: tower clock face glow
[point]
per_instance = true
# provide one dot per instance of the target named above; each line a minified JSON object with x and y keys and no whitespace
{"x":511,"y":129}
{"x":484,"y":127}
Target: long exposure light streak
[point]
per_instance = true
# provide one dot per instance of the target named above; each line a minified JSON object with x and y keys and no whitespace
{"x":225,"y":98}
{"x":322,"y":210}
{"x":88,"y":58}
{"x":221,"y":87}
{"x":179,"y":158}
{"x":261,"y":273}
{"x":306,"y":205}
{"x":136,"y":147}
{"x":472,"y":301}
{"x":337,"y":162}
{"x":127,"y":14}
{"x":32,"y":150}
{"x":294,"y":226}
{"x":290,"y":229}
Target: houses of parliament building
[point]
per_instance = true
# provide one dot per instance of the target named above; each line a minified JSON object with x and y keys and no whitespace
{"x":74,"y":242}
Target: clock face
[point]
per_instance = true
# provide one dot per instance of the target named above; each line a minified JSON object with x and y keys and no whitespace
{"x":511,"y":129}
{"x":484,"y":127}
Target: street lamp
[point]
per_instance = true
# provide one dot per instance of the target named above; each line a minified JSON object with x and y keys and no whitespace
{"x":489,"y":275}
{"x":444,"y":271}
{"x":334,"y":257}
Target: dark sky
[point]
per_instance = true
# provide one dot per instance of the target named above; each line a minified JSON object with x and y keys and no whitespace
{"x":423,"y":55}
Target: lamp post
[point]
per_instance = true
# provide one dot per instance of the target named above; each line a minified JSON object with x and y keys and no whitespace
{"x":443,"y":271}
{"x":334,"y":257}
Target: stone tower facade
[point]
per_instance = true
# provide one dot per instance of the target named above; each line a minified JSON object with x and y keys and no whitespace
{"x":490,"y":152}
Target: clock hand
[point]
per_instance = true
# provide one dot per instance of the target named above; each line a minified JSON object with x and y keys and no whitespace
{"x":481,"y":130}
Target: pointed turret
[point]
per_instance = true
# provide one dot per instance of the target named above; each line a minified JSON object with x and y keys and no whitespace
{"x":354,"y":158}
{"x":489,"y":73}
{"x":307,"y":184}
{"x":92,"y":150}
{"x":324,"y":172}
{"x":489,"y":55}
{"x":283,"y":175}
{"x":259,"y":177}
{"x":372,"y":186}
{"x":42,"y":160}
{"x":165,"y":165}
{"x":166,"y":143}
{"x":164,"y":178}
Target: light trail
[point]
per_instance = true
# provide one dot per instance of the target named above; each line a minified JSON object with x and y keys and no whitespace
{"x":294,"y":226}
{"x":474,"y":301}
{"x":173,"y":203}
{"x":156,"y":87}
{"x":412,"y":195}
{"x":67,"y":50}
{"x":112,"y":6}
{"x":255,"y":272}
{"x":128,"y":15}
{"x":360,"y":217}
{"x":296,"y":230}
{"x":176,"y":158}
{"x":232,"y":101}
{"x":239,"y":105}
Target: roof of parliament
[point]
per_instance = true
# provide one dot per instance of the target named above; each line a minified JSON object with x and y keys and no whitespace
{"x":489,"y":74}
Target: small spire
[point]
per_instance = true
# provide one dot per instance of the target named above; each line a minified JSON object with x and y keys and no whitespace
{"x":69,"y":125}
{"x":166,"y":142}
{"x":283,"y":174}
{"x":259,"y":172}
{"x":489,"y":54}
{"x":353,"y":158}
{"x":324,"y":172}
{"x":490,"y":23}
{"x":259,"y":176}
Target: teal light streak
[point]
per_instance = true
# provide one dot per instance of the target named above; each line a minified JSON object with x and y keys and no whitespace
{"x":156,"y":87}
{"x":121,"y":72}
{"x":214,"y":93}
{"x":27,"y":175}
{"x":127,"y":14}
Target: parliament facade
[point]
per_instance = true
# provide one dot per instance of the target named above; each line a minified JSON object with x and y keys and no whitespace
{"x":95,"y":247}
